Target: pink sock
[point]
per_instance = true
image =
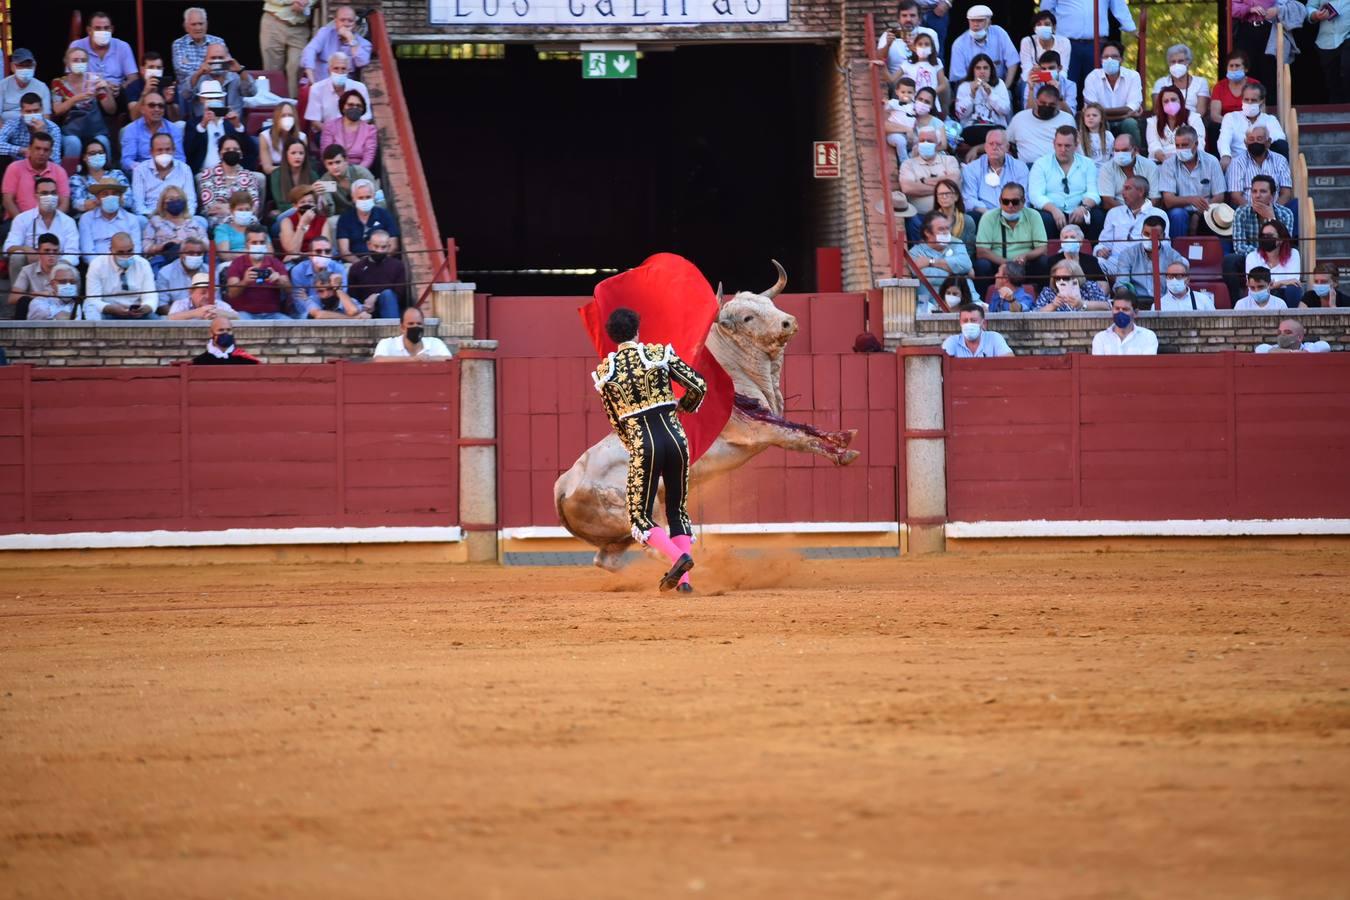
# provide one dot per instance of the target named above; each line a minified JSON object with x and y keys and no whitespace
{"x":658,"y":538}
{"x":684,"y":542}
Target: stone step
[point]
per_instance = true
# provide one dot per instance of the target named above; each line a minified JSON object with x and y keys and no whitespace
{"x":1332,"y":244}
{"x":1318,"y":115}
{"x":1326,"y":154}
{"x":1317,"y":135}
{"x":1330,"y":198}
{"x":1328,"y":177}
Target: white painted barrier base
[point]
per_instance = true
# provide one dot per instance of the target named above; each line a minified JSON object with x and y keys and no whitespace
{"x":233,"y":537}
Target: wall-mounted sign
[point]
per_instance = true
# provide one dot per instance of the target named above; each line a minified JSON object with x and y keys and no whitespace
{"x":826,"y":155}
{"x":608,"y":63}
{"x":607,"y":12}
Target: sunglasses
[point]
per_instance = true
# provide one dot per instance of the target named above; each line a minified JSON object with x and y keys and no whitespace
{"x":155,"y":105}
{"x":1011,"y":201}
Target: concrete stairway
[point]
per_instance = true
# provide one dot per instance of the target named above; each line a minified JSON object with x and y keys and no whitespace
{"x":1324,"y":140}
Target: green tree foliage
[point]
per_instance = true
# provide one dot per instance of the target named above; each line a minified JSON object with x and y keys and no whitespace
{"x":1191,"y":22}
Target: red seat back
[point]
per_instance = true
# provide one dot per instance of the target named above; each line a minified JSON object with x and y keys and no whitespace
{"x":1205,"y":255}
{"x":253,"y":124}
{"x":70,"y":164}
{"x":1222,"y":300}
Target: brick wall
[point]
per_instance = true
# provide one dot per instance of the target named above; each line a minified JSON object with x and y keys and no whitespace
{"x":163,"y":343}
{"x":1036,"y":334}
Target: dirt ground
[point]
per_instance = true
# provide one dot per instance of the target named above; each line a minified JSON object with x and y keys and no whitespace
{"x":1094,"y":725}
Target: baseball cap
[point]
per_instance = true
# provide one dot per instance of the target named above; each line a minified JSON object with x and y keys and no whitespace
{"x":22,"y":55}
{"x":980,"y":11}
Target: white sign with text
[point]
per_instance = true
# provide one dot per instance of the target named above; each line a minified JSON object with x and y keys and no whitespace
{"x":607,"y":12}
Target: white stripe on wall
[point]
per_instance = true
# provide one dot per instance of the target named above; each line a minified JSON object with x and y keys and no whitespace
{"x":1162,"y":528}
{"x":233,"y":537}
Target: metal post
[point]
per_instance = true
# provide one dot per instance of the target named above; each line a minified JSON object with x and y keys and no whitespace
{"x":140,"y":30}
{"x":1097,"y":34}
{"x":1157,"y":276}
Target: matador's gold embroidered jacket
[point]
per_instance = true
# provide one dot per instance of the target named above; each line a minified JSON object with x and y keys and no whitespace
{"x":636,"y":378}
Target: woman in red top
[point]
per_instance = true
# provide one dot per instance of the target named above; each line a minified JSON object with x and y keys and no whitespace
{"x":1226,"y":95}
{"x":301,"y":227}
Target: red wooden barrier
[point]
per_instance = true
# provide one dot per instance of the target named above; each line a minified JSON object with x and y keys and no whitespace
{"x":205,"y":448}
{"x":549,"y":413}
{"x":1206,"y":436}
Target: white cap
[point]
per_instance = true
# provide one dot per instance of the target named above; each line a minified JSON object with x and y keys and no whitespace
{"x":210,"y":90}
{"x":980,"y":11}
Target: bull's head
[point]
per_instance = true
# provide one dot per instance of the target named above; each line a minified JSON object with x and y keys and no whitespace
{"x":750,"y":318}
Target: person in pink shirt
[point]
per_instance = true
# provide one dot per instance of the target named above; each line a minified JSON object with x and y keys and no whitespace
{"x":19,"y":188}
{"x":348,"y":130}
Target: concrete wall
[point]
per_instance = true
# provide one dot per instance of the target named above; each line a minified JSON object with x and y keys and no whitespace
{"x":163,"y":343}
{"x":1035,"y":334}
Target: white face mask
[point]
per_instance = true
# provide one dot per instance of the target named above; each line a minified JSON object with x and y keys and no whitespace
{"x":1177,"y":286}
{"x":79,"y":68}
{"x":923,"y":52}
{"x":23,"y":76}
{"x":921,"y":108}
{"x":953,"y":300}
{"x":102,"y":38}
{"x":943,"y":238}
{"x":287,"y":123}
{"x":1251,"y":110}
{"x":257,"y":251}
{"x":192,"y":263}
{"x":1178,"y":70}
{"x":971,"y":330}
{"x":163,"y":160}
{"x":319,"y":262}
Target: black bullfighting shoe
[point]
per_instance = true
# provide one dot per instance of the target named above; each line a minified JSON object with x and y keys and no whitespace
{"x":672,"y":578}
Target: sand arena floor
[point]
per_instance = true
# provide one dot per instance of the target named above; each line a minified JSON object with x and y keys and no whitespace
{"x":1096,"y":725}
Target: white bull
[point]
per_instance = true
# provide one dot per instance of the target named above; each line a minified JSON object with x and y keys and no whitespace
{"x":748,"y":339}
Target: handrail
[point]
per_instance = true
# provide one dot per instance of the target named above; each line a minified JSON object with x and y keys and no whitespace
{"x":398,"y":109}
{"x":1141,"y":48}
{"x":1282,"y":77}
{"x":883,"y":148}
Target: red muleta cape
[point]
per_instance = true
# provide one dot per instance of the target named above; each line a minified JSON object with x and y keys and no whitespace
{"x":677,"y":306}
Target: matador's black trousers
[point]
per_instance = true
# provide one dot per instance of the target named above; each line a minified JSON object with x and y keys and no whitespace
{"x":658,"y":451}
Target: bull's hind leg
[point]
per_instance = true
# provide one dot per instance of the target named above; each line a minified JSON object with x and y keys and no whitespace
{"x":763,"y":425}
{"x":610,"y":556}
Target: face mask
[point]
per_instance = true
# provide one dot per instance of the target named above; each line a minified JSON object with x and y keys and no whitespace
{"x":979,"y":34}
{"x":224,"y":340}
{"x":1185,"y":155}
{"x":23,"y":76}
{"x":319,"y":262}
{"x":943,"y":238}
{"x":1015,"y":216}
{"x":1122,"y":320}
{"x":921,"y":108}
{"x":1171,"y":107}
{"x":1070,"y":246}
{"x":1260,"y":296}
{"x":415,"y":334}
{"x":257,"y":251}
{"x":154,"y":73}
{"x":970,"y":330}
{"x":1177,"y":286}
{"x":1322,"y":290}
{"x":192,"y":263}
{"x":1044,"y":32}
{"x":1256,"y":149}
{"x":1251,"y":110}
{"x":243,"y":218}
{"x":1123,"y":158}
{"x":33,"y":118}
{"x":352,"y":114}
{"x":1178,"y":70}
{"x":1288,"y":342}
{"x":1111,"y":66}
{"x":1237,"y":75}
{"x":67,"y":289}
{"x":97,"y":161}
{"x":927,"y":149}
{"x":163,"y":160}
{"x":175,"y":207}
{"x":365,"y":204}
{"x":79,"y":68}
{"x":287,"y":123}
{"x":1267,"y":244}
{"x":110,"y":203}
{"x":47,"y":202}
{"x":1046,"y":112}
{"x":231,"y":157}
{"x":339,"y":79}
{"x":123,"y":262}
{"x":102,"y":38}
{"x":953,"y":300}
{"x":377,"y":257}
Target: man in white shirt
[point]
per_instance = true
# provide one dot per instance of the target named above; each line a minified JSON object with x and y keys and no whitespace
{"x":897,"y":42}
{"x":1290,"y":340}
{"x":410,"y":342}
{"x":974,"y":341}
{"x":1075,"y":23}
{"x":1179,"y":296}
{"x":1033,"y":130}
{"x":1118,"y":90}
{"x":325,"y":96}
{"x":1235,"y":125}
{"x":151,"y":176}
{"x":1259,"y":298}
{"x":120,"y":285}
{"x":1124,"y":224}
{"x":44,"y":218}
{"x":1124,"y":338}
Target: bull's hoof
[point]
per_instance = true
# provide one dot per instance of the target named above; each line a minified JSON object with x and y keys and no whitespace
{"x":848,"y":456}
{"x":841,"y":438}
{"x":610,"y":558}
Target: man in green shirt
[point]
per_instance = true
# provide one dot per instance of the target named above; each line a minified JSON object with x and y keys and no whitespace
{"x":1011,"y":236}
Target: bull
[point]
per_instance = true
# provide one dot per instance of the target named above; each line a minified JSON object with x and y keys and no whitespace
{"x":748,"y":338}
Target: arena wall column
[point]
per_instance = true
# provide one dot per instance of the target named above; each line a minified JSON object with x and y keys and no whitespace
{"x":925,"y":442}
{"x":452,"y":303}
{"x":478,"y":451}
{"x":899,"y":302}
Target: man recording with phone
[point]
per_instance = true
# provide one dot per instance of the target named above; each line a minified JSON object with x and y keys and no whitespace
{"x":256,"y":283}
{"x":120,"y":284}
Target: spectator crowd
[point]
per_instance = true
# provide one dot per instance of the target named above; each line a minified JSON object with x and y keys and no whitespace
{"x":1038,"y":175}
{"x":184,"y":185}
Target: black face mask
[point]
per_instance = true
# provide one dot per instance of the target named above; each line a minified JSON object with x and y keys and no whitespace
{"x":225,"y":340}
{"x":231,"y":157}
{"x":1256,"y":150}
{"x":1046,"y":112}
{"x":415,"y":334}
{"x":1268,"y":244}
{"x":378,"y":257}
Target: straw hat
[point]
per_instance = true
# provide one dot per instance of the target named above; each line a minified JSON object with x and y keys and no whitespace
{"x":201,"y":279}
{"x":210,"y":89}
{"x":107,"y":184}
{"x":1219,"y":218}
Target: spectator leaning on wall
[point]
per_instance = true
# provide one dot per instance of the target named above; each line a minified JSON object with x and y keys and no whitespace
{"x":221,"y":350}
{"x":1124,"y":338}
{"x":974,"y":340}
{"x":1290,"y":340}
{"x":410,"y":342}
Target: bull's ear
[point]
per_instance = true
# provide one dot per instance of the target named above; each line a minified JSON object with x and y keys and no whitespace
{"x":720,"y":298}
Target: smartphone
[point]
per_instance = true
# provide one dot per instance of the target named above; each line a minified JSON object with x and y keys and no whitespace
{"x":1330,"y":11}
{"x":1042,"y":76}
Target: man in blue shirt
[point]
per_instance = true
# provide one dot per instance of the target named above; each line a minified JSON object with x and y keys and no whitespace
{"x":338,"y":36}
{"x":319,"y":262}
{"x":137,"y":137}
{"x":986,"y":38}
{"x":974,"y":341}
{"x":1064,"y":187}
{"x":1075,"y":23}
{"x":109,"y":57}
{"x":982,"y":181}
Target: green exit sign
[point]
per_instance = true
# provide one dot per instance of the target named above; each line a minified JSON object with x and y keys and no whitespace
{"x":609,"y":63}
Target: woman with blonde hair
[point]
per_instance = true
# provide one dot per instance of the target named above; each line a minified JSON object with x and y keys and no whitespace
{"x":1094,"y":140}
{"x":169,"y":226}
{"x":274,"y":140}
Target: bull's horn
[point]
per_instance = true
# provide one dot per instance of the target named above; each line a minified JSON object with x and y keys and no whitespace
{"x":720,"y":298}
{"x":780,"y":283}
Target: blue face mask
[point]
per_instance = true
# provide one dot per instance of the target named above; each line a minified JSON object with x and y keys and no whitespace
{"x":1111,"y":66}
{"x":123,"y":262}
{"x":97,"y":161}
{"x":1322,"y":290}
{"x":1012,"y":216}
{"x":927,"y":149}
{"x":1237,"y":75}
{"x":1260,"y":296}
{"x":1185,"y":155}
{"x":110,"y":203}
{"x":1123,"y":158}
{"x":1070,"y":246}
{"x":67,"y":290}
{"x":1122,"y":320}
